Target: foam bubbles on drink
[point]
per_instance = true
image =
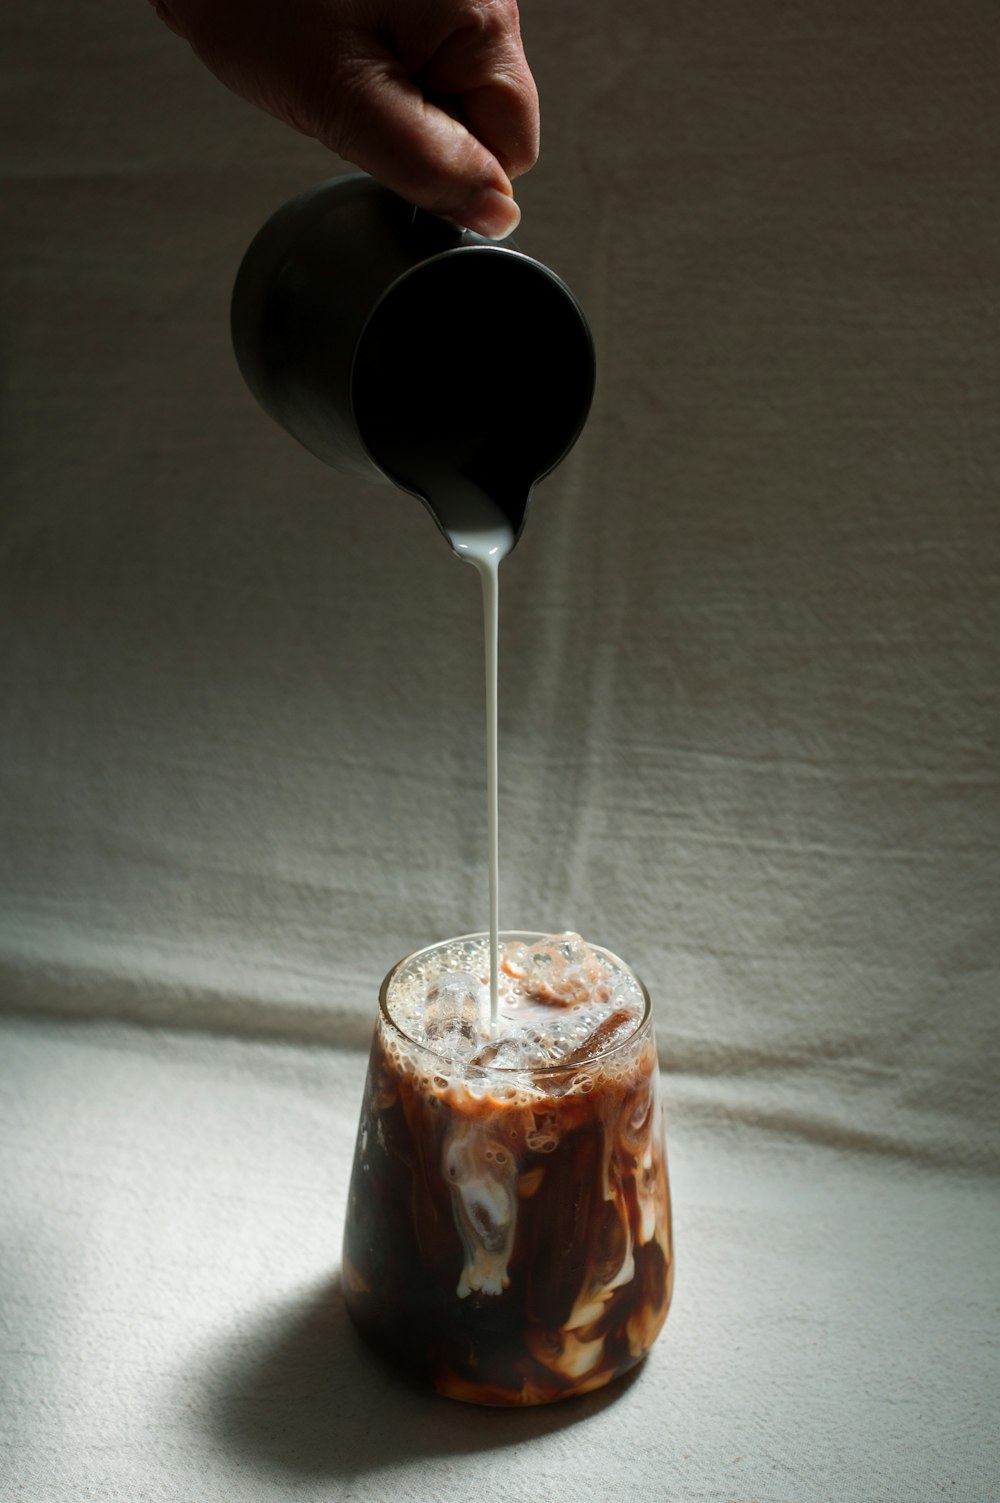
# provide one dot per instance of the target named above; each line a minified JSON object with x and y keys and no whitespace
{"x":560,"y":1002}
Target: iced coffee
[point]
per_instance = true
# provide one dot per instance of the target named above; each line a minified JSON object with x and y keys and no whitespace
{"x":508,"y":1227}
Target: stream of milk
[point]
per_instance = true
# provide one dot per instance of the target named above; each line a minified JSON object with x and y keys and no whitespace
{"x":480,"y":533}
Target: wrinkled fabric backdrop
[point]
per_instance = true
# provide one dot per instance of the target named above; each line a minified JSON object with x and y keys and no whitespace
{"x":748,"y":738}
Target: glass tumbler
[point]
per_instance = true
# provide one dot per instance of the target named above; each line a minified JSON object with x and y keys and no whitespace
{"x":508,"y":1233}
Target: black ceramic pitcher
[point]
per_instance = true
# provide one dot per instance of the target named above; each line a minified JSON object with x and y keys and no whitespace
{"x":385,"y":339}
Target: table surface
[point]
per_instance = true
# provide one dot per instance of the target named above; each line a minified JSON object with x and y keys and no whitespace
{"x":173,"y":1326}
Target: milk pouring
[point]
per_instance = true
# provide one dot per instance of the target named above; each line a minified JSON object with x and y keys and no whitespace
{"x":508,"y":1232}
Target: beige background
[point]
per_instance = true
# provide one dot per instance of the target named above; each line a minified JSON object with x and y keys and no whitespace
{"x":748,"y":726}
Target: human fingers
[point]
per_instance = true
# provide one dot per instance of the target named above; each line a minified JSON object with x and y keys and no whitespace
{"x":344,"y":71}
{"x":480,"y":68}
{"x":420,"y":150}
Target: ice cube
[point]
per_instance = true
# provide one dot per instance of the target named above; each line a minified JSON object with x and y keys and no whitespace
{"x":525,"y":1049}
{"x":500,"y":1054}
{"x":516,"y":961}
{"x":560,"y":971}
{"x":456,"y":1014}
{"x":574,"y":952}
{"x":615,"y":1029}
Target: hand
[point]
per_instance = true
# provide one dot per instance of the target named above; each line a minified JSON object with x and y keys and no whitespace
{"x":432,"y":97}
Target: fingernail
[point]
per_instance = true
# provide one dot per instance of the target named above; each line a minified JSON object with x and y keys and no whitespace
{"x":494,"y":215}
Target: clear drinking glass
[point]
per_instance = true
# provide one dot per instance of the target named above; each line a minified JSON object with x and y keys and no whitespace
{"x":508,"y":1235}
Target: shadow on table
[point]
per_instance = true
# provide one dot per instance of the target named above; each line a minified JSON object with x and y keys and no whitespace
{"x":302,"y":1394}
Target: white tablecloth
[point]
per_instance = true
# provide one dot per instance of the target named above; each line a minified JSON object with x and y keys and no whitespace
{"x":173,"y":1328}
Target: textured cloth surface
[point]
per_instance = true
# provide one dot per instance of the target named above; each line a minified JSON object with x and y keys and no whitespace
{"x":749,"y":739}
{"x":173,"y":1329}
{"x":750,"y":700}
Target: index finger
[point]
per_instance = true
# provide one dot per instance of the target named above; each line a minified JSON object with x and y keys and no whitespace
{"x":481,"y":68}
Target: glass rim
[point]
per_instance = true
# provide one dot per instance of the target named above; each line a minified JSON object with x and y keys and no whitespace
{"x":534,"y":1071}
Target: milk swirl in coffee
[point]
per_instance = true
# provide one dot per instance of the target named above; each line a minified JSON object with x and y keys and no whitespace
{"x":508,"y":1229}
